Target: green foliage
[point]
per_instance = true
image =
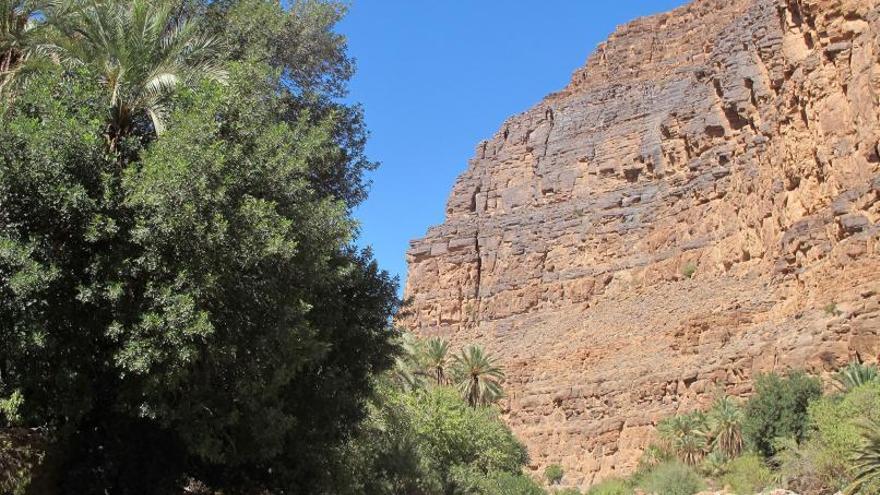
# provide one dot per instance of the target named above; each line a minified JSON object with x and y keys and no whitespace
{"x":431,"y":441}
{"x":779,"y":409}
{"x":477,"y":378}
{"x":689,"y":269}
{"x":714,"y":465}
{"x":672,"y":478}
{"x":612,"y":486}
{"x":836,"y":427}
{"x":798,"y":467}
{"x":454,"y":434}
{"x":855,"y":375}
{"x":652,"y":456}
{"x":831,"y":309}
{"x":407,"y":371}
{"x":686,"y":436}
{"x":725,"y":420}
{"x":567,"y":491}
{"x":437,"y":360}
{"x":747,"y":475}
{"x":553,"y":474}
{"x":19,"y":457}
{"x":21,"y":37}
{"x":191,"y":299}
{"x":142,"y":51}
{"x":867,"y":462}
{"x":471,"y":481}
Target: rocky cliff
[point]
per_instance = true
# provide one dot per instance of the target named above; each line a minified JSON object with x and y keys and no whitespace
{"x":700,"y":204}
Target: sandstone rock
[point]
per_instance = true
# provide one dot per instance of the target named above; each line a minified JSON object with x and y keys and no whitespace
{"x":670,"y":224}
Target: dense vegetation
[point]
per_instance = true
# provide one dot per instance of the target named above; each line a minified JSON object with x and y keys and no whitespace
{"x":181,"y":304}
{"x":435,"y":429}
{"x":179,"y":298}
{"x":786,"y":435}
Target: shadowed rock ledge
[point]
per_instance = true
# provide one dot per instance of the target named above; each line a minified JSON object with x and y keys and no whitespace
{"x":698,"y":205}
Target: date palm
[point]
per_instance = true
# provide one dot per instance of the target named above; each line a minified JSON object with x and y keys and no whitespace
{"x":406,"y":371}
{"x":141,"y":49}
{"x":437,"y":360}
{"x":725,"y":423}
{"x":866,"y":463}
{"x":686,"y":436}
{"x":477,"y":377}
{"x":854,"y":375}
{"x":21,"y":35}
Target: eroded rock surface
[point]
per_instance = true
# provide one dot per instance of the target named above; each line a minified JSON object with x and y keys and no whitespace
{"x":735,"y":141}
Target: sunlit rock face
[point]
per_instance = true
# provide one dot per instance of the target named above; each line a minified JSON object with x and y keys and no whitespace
{"x":700,"y":204}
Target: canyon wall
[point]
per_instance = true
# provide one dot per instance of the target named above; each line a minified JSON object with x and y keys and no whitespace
{"x":700,"y":204}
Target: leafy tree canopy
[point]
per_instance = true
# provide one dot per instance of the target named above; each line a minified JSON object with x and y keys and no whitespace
{"x":779,"y":409}
{"x":194,"y":309}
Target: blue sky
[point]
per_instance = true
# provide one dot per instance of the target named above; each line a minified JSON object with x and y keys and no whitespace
{"x":437,"y":77}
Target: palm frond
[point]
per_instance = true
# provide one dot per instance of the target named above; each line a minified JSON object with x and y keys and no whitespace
{"x":141,"y":50}
{"x":477,"y":377}
{"x":866,"y":462}
{"x":856,"y":374}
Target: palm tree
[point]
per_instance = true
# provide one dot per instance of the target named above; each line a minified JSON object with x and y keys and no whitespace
{"x":407,"y":367}
{"x":477,"y":377}
{"x":855,"y":375}
{"x":714,"y":465}
{"x":686,"y":436}
{"x":866,"y":463}
{"x":20,"y":36}
{"x":725,"y":423}
{"x":437,"y":359}
{"x":142,"y":52}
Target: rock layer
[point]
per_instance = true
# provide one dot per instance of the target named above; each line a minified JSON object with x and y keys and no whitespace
{"x":700,"y":204}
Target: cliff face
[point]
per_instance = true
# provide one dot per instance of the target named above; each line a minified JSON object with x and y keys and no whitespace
{"x":736,"y":141}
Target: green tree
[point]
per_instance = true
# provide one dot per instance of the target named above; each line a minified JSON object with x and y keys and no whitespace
{"x":431,"y":441}
{"x":477,"y":377}
{"x":725,"y":424}
{"x":407,"y":371}
{"x":142,"y":50}
{"x":454,"y":434}
{"x":197,"y":305}
{"x":686,"y":435}
{"x":779,"y":409}
{"x":824,"y":460}
{"x":437,"y":360}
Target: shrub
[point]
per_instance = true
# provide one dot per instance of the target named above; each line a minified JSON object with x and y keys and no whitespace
{"x":474,"y":482}
{"x":689,"y":269}
{"x":672,"y":478}
{"x":867,"y":462}
{"x":567,"y":491}
{"x":714,"y":465}
{"x":831,"y":309}
{"x":797,"y":467}
{"x":747,"y":475}
{"x":450,"y":433}
{"x":824,"y":460}
{"x":854,"y":375}
{"x":652,"y":456}
{"x":779,"y":409}
{"x":554,"y":473}
{"x":613,"y":486}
